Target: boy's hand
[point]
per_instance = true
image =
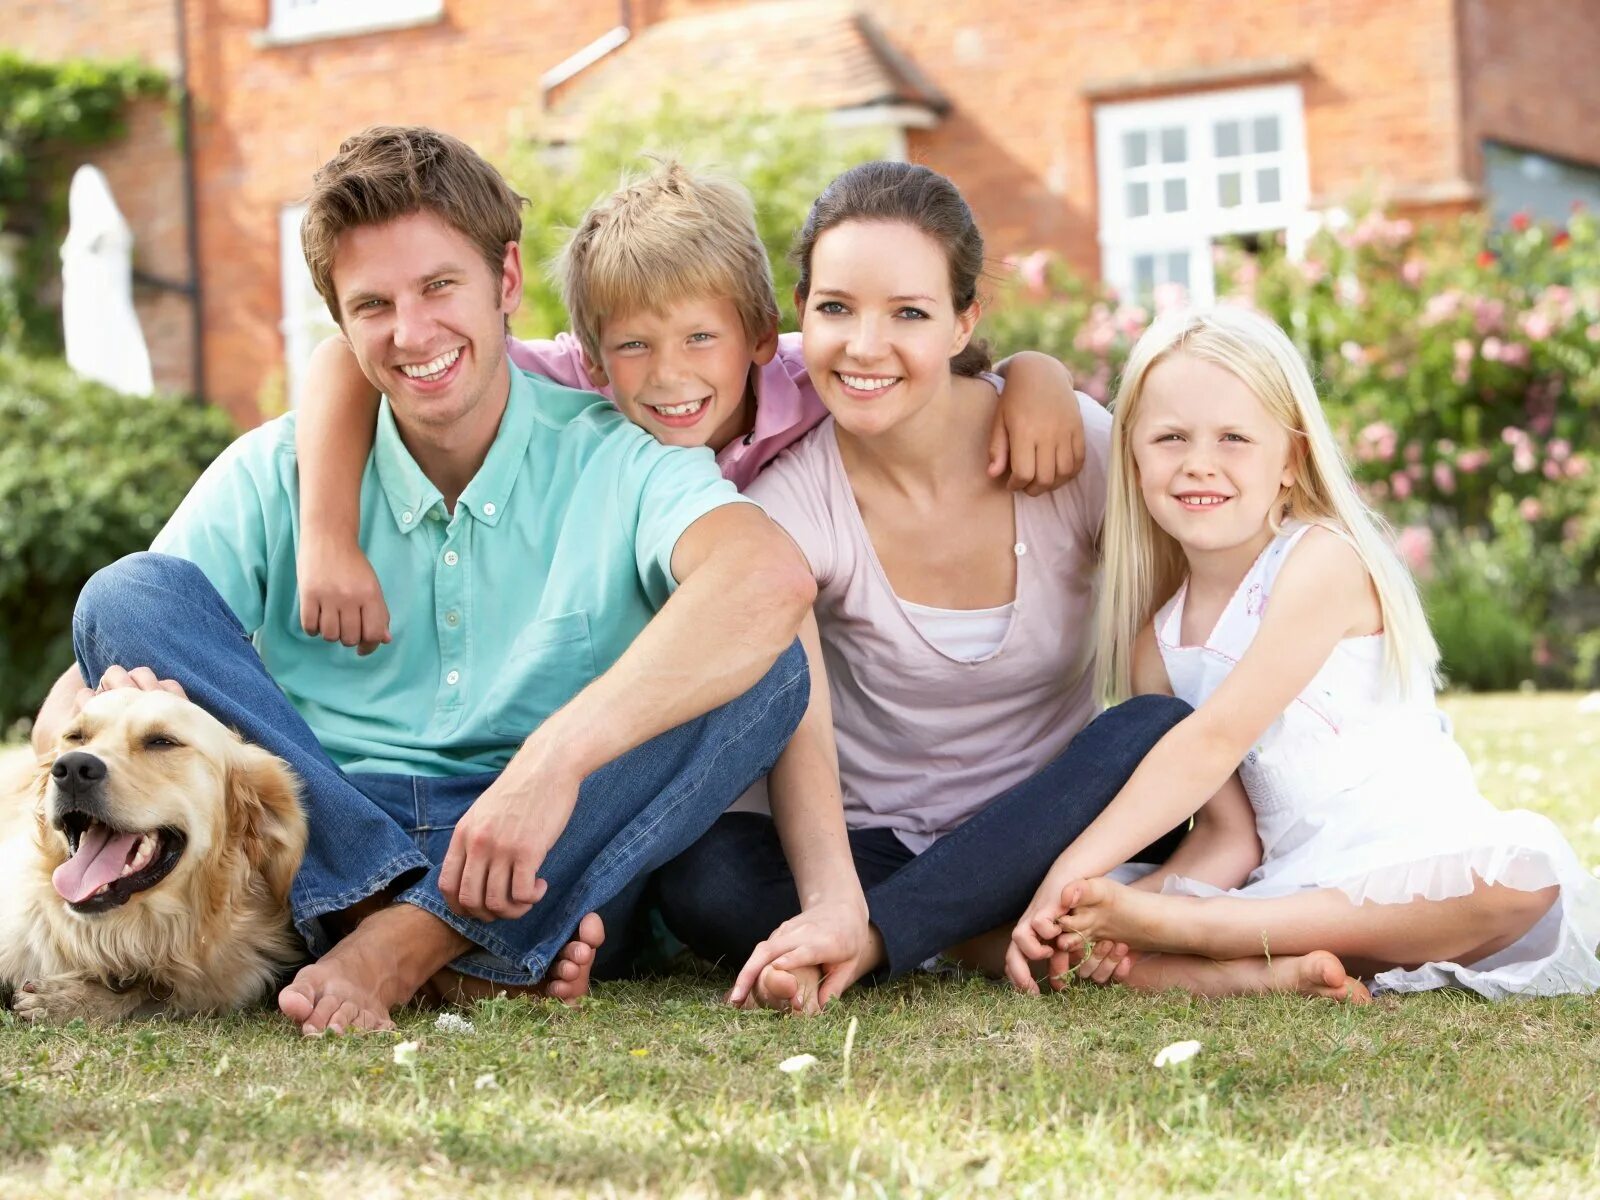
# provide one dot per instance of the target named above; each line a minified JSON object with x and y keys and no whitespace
{"x":340,"y":597}
{"x":1038,"y":429}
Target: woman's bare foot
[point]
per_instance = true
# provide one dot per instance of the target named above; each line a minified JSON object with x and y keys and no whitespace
{"x":1318,"y":974}
{"x":791,"y":990}
{"x":567,"y":980}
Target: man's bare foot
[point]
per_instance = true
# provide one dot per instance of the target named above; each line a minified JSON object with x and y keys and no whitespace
{"x":567,"y":980}
{"x":792,"y":990}
{"x":375,"y":969}
{"x":1319,"y":973}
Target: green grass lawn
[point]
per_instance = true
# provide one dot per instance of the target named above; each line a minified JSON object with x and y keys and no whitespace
{"x":951,"y":1087}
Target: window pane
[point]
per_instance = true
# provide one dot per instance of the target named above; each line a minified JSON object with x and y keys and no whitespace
{"x":1135,"y":149}
{"x":1227,"y":139}
{"x":1144,"y":273}
{"x":1267,"y":186}
{"x":1266,"y":135}
{"x":1176,"y":194}
{"x":1174,"y":144}
{"x":1138,"y":199}
{"x":1178,"y":268}
{"x":1228,"y":190}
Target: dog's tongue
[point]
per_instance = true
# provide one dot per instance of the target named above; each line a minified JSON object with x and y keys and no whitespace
{"x":100,"y":858}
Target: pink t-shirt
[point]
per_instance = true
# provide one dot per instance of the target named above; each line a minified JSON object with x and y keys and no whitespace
{"x":787,"y":407}
{"x":926,"y":740}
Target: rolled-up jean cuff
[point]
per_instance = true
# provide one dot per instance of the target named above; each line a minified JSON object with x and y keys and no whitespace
{"x":402,"y":871}
{"x":490,"y":958}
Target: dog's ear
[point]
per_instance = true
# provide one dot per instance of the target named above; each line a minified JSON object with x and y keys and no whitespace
{"x":264,"y":814}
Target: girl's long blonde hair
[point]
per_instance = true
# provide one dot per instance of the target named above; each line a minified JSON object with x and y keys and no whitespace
{"x":1143,"y":565}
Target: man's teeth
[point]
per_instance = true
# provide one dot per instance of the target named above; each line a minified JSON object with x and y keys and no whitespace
{"x":862,"y":384}
{"x":680,"y":410}
{"x":1203,"y":500}
{"x":428,"y":370}
{"x":145,"y":851}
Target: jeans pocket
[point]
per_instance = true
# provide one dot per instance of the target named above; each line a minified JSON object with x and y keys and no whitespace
{"x":551,"y":661}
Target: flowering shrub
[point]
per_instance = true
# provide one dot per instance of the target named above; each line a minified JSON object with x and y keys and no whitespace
{"x":1462,"y":369}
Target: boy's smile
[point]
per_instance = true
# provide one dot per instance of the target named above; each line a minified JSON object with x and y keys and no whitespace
{"x":683,"y":374}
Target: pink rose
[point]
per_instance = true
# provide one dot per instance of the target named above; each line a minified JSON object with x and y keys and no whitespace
{"x":1411,"y":271}
{"x":1530,"y":509}
{"x":1415,"y":544}
{"x":1400,"y":484}
{"x":1444,"y":478}
{"x":1537,"y":326}
{"x":1470,"y":462}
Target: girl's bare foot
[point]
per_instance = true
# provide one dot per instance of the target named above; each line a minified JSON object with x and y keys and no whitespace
{"x":1102,"y":910}
{"x":1318,"y":974}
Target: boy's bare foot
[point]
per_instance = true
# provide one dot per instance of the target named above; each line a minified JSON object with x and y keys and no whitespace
{"x":792,"y":990}
{"x":567,"y":980}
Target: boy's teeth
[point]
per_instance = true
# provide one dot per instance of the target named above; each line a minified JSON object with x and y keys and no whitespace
{"x":863,"y":384}
{"x":437,"y":367}
{"x":680,"y":410}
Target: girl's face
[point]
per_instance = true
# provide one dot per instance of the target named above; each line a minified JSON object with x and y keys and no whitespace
{"x":879,"y":326}
{"x":1212,"y":461}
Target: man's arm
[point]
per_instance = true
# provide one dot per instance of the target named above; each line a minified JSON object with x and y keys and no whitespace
{"x":743,"y":591}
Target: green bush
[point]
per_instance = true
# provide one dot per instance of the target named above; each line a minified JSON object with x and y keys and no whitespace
{"x":86,"y":476}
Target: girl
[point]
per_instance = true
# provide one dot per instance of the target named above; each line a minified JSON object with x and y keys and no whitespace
{"x":951,"y":624}
{"x":1246,"y":576}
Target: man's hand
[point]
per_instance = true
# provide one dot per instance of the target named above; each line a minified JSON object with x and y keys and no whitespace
{"x":115,"y":677}
{"x":834,"y":936}
{"x":491,"y":871}
{"x":340,"y":597}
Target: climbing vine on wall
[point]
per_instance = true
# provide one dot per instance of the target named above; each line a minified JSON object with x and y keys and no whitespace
{"x":49,"y":113}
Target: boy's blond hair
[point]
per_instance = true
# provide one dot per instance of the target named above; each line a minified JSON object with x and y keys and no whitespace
{"x":669,"y":236}
{"x":1143,"y":565}
{"x":391,"y":171}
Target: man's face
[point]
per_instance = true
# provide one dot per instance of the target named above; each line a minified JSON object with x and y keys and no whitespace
{"x":426,"y":318}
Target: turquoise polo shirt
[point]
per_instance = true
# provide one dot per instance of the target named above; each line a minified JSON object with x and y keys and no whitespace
{"x":558,"y":553}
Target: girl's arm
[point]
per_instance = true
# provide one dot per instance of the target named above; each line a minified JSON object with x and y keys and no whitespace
{"x":1038,"y":429}
{"x":1322,"y":594}
{"x":340,"y":596}
{"x":831,"y":930}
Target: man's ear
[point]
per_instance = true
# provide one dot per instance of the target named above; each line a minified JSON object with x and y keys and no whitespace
{"x":761,"y":353}
{"x":511,"y":279}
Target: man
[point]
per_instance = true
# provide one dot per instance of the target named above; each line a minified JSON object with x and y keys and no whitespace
{"x":555,"y":575}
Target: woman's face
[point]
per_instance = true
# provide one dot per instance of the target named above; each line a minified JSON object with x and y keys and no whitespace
{"x":879,"y":325}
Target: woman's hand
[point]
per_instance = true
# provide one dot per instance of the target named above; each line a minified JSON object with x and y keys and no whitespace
{"x":340,"y":597}
{"x":833,"y":938}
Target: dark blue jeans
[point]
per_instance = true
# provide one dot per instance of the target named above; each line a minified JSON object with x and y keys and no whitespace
{"x":389,"y":833}
{"x":732,"y":888}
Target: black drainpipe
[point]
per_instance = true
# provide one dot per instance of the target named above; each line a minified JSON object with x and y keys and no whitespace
{"x":190,"y":203}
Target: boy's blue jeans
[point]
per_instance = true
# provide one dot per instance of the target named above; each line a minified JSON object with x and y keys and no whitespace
{"x":370,"y":833}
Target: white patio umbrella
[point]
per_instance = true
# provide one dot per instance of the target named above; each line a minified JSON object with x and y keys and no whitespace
{"x":103,"y":338}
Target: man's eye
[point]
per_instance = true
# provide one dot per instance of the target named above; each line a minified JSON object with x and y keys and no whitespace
{"x":439,"y":283}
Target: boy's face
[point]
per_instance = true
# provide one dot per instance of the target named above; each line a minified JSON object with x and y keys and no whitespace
{"x":426,"y":319}
{"x":683,"y":375}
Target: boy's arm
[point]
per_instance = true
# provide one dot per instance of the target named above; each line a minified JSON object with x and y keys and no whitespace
{"x":1038,"y":429}
{"x":739,"y":575}
{"x":340,"y":596}
{"x":831,"y":930}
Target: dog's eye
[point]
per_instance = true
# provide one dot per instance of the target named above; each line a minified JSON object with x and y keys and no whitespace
{"x":160,"y":741}
{"x":75,"y":735}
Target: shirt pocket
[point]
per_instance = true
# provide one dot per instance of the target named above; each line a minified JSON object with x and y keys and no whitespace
{"x":550,"y":662}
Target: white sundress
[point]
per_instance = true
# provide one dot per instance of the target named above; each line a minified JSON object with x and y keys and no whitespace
{"x":1357,"y":788}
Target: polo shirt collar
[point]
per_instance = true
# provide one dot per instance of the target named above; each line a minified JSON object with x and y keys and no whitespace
{"x":778,"y":401}
{"x":411,"y":494}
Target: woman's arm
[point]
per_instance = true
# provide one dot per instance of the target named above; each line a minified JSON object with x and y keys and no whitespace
{"x":831,"y":931}
{"x":340,"y":596}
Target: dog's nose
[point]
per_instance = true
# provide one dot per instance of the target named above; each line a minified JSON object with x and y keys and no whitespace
{"x":78,"y":771}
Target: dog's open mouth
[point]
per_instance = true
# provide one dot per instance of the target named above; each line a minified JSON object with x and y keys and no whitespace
{"x":109,"y":867}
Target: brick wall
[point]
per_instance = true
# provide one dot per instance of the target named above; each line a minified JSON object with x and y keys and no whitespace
{"x":145,"y":169}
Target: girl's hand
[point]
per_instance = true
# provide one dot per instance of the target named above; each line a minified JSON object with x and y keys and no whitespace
{"x":1038,"y":428}
{"x":340,"y":596}
{"x":833,"y":936}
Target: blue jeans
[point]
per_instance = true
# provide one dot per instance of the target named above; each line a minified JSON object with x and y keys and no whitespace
{"x":733,"y":887}
{"x":388,"y":833}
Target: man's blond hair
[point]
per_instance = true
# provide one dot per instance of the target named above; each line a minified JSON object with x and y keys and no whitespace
{"x":670,"y":236}
{"x":392,"y":171}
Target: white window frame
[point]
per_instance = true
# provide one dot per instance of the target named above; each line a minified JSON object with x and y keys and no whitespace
{"x":1191,"y":233}
{"x":306,"y":321}
{"x":305,"y":20}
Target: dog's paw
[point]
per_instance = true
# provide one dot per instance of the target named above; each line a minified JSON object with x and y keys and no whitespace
{"x":57,"y":1001}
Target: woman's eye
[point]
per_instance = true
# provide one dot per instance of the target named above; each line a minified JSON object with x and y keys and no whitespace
{"x":915,"y":314}
{"x":831,"y":307}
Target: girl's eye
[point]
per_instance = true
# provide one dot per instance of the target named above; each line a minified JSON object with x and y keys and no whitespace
{"x":1236,"y":437}
{"x":1168,"y":437}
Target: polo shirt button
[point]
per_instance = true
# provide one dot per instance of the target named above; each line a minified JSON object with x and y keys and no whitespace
{"x":453,"y":678}
{"x":452,"y":617}
{"x":451,"y":558}
{"x":406,"y":518}
{"x":488,"y":509}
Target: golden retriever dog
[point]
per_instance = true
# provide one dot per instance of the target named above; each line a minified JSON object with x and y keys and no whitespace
{"x":146,"y":865}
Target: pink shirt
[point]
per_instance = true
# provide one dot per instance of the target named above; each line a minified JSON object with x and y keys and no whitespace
{"x":926,"y":740}
{"x":787,"y":407}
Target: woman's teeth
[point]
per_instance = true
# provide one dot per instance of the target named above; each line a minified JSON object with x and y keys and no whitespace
{"x":680,"y":410}
{"x":862,"y":384}
{"x":428,"y":370}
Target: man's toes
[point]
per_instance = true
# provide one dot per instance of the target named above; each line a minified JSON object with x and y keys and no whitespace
{"x":575,"y":954}
{"x":592,"y":931}
{"x":297,"y":1001}
{"x":344,"y":1018}
{"x":372,"y":1022}
{"x":316,"y":1024}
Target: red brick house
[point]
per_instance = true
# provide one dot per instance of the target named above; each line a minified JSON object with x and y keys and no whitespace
{"x":1125,"y":134}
